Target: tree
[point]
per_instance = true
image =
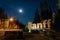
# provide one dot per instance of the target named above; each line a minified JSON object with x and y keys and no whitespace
{"x":57,"y":22}
{"x":37,"y":17}
{"x":2,"y":14}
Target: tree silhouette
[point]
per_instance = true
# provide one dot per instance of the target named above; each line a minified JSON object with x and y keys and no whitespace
{"x":37,"y":17}
{"x":57,"y":22}
{"x":21,"y":25}
{"x":2,"y":14}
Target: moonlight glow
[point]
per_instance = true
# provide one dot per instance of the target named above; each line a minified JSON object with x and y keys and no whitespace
{"x":20,"y":10}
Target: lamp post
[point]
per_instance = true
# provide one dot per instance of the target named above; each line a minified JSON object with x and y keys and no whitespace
{"x":11,"y":19}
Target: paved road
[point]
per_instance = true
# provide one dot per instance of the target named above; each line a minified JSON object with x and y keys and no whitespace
{"x":40,"y":36}
{"x":35,"y":36}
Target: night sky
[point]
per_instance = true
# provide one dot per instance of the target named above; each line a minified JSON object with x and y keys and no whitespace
{"x":28,"y":6}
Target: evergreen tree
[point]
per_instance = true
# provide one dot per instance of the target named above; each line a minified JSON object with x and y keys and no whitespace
{"x":2,"y":14}
{"x":37,"y":17}
{"x":57,"y":22}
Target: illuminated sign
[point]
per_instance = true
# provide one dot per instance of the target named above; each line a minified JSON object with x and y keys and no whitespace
{"x":41,"y":25}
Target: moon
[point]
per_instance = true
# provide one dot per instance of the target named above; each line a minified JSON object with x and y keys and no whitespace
{"x":20,"y":10}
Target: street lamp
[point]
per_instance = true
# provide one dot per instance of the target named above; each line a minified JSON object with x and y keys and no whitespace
{"x":11,"y":19}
